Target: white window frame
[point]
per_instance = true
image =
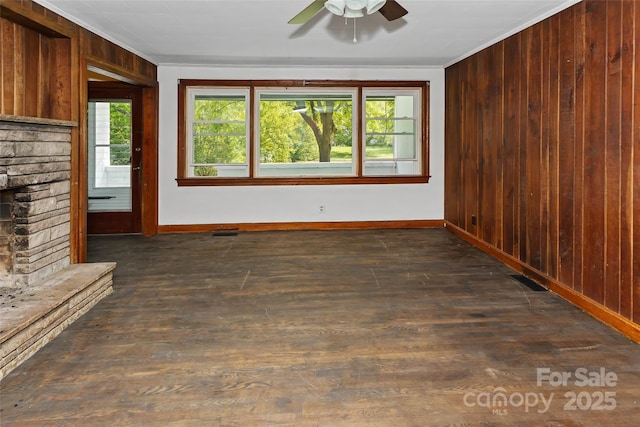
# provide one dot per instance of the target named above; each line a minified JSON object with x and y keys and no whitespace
{"x":192,"y":93}
{"x":355,"y":155}
{"x":416,"y":95}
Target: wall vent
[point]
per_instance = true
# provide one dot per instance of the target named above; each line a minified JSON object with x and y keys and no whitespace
{"x":529,"y":283}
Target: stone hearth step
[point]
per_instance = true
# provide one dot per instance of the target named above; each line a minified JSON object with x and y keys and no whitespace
{"x":43,"y":310}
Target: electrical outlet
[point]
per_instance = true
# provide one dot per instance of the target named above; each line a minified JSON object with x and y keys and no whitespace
{"x":321,"y":209}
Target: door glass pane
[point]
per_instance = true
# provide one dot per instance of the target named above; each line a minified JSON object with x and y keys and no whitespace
{"x":109,"y":156}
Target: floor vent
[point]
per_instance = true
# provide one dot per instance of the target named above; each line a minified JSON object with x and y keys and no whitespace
{"x":529,"y":283}
{"x":222,"y":233}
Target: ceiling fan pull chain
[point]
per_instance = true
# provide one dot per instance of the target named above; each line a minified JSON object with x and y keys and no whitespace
{"x":355,"y":39}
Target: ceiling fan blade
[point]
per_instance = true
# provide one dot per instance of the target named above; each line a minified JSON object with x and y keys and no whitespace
{"x":308,"y":12}
{"x":392,"y":10}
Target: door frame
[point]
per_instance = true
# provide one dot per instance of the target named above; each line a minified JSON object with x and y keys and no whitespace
{"x":131,"y":221}
{"x":90,"y":67}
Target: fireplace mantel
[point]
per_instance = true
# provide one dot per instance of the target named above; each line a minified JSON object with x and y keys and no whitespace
{"x":37,"y":121}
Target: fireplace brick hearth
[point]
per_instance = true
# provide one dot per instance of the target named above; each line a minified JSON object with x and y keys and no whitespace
{"x":41,"y":292}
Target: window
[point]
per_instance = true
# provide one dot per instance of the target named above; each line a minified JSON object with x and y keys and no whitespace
{"x":391,"y":133}
{"x":218,"y":133}
{"x":302,"y":132}
{"x":305,"y":133}
{"x":109,"y":160}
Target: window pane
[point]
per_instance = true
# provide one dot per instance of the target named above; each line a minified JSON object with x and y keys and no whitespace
{"x":109,"y":160}
{"x":205,"y":171}
{"x":306,"y":134}
{"x":219,"y":107}
{"x":219,"y":135}
{"x":379,"y":147}
{"x":228,"y":149}
{"x":391,"y":134}
{"x":218,"y":143}
{"x":219,"y":129}
{"x":120,"y":130}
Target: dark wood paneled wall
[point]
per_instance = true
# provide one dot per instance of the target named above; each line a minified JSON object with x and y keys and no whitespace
{"x":39,"y":68}
{"x":36,"y":71}
{"x":542,"y":147}
{"x":45,"y":67}
{"x":114,"y":61}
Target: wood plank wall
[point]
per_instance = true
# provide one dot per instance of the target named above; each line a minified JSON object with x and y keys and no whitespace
{"x":35,"y":72}
{"x":45,"y":67}
{"x":39,"y":69}
{"x":115,"y":61}
{"x":542,"y":146}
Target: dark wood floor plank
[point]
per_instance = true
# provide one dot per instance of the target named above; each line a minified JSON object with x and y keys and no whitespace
{"x":328,"y":328}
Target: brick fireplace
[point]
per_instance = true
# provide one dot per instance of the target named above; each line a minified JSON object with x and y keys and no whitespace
{"x":40,"y":291}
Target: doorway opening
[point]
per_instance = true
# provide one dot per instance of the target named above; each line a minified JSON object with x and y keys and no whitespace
{"x":114,"y":159}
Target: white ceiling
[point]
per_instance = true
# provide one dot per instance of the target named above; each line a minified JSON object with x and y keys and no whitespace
{"x":435,"y":33}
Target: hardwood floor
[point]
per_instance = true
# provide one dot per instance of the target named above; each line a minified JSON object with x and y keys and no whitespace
{"x":322,"y":328}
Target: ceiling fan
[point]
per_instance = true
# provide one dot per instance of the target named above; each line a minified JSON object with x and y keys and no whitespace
{"x":390,"y":9}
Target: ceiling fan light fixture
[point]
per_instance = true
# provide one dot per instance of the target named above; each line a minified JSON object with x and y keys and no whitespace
{"x":335,"y":6}
{"x":356,"y":4}
{"x":352,"y":13}
{"x":374,"y":5}
{"x":390,"y":10}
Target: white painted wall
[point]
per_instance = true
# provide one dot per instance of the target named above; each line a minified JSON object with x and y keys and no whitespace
{"x":258,"y":204}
